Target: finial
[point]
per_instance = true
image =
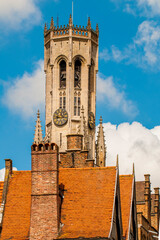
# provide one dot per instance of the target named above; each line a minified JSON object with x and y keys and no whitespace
{"x":38,"y":114}
{"x":52,"y":23}
{"x":117,"y":163}
{"x":89,"y":23}
{"x":100,"y":120}
{"x":45,"y":28}
{"x":70,"y":20}
{"x":133,"y":171}
{"x":97,"y":29}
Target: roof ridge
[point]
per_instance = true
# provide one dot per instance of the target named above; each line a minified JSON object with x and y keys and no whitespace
{"x":89,"y":168}
{"x":126,"y":175}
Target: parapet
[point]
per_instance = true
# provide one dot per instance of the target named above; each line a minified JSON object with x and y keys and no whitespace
{"x":44,"y":147}
{"x":71,"y":30}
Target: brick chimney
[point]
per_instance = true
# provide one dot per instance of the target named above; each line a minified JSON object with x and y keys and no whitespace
{"x":147,"y":196}
{"x":44,"y":198}
{"x":155,"y":218}
{"x":8,"y":174}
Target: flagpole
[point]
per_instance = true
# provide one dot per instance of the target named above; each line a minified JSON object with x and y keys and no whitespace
{"x":72,"y":11}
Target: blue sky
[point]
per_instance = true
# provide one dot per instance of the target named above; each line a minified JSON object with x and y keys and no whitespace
{"x":128,"y":83}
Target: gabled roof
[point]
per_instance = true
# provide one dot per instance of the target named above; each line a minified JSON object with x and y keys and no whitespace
{"x":126,"y":192}
{"x":16,"y":219}
{"x":86,"y":209}
{"x":88,"y":201}
{"x":1,"y":191}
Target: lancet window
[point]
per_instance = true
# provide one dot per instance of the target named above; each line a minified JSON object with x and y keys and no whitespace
{"x":62,"y":100}
{"x":62,"y":74}
{"x":77,"y":104}
{"x":77,"y":74}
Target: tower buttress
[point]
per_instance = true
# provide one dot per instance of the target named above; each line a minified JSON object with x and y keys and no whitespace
{"x":100,"y":146}
{"x":38,"y":130}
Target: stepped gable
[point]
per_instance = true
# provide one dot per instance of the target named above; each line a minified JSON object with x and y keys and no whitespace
{"x":1,"y":190}
{"x":140,"y":190}
{"x":126,"y":192}
{"x":88,"y":201}
{"x":16,"y":220}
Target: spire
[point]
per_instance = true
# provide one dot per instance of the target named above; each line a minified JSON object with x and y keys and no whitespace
{"x":84,"y":129}
{"x":97,"y":29}
{"x":38,"y":130}
{"x":101,"y":146}
{"x":70,"y":20}
{"x":117,"y":163}
{"x":45,"y":28}
{"x":52,"y":23}
{"x":89,"y":24}
{"x":133,"y":171}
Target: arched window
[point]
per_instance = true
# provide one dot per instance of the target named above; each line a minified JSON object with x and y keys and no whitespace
{"x":62,"y":74}
{"x":77,"y":74}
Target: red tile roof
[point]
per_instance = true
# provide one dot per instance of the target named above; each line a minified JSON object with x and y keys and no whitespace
{"x":86,"y":209}
{"x":88,"y":201}
{"x":16,"y":219}
{"x":1,"y":191}
{"x":126,"y":189}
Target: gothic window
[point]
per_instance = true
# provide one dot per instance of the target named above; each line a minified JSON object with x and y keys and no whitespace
{"x":77,"y":74}
{"x":62,"y":74}
{"x":62,"y":100}
{"x":77,"y":106}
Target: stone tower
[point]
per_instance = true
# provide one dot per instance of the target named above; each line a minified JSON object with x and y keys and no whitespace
{"x":71,"y":65}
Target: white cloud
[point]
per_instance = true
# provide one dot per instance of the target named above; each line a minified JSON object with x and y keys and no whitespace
{"x":2,"y":173}
{"x":144,"y":50}
{"x":27,"y":93}
{"x":149,"y":7}
{"x":134,"y":144}
{"x":19,"y":14}
{"x":145,"y":8}
{"x":110,"y":94}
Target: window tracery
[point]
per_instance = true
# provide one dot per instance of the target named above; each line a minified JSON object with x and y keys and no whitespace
{"x":77,"y":74}
{"x":62,"y":74}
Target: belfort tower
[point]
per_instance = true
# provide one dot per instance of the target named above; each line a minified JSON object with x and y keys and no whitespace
{"x":71,"y":65}
{"x":68,"y":195}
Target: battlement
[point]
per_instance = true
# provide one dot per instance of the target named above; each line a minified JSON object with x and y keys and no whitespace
{"x":70,"y":30}
{"x":44,"y":147}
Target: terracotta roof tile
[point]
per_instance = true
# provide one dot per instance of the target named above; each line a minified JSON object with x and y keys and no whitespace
{"x":16,"y":220}
{"x":86,"y":209}
{"x":88,"y":201}
{"x":126,"y":189}
{"x":1,"y":191}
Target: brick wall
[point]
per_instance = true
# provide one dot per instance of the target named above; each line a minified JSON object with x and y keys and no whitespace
{"x":44,"y":198}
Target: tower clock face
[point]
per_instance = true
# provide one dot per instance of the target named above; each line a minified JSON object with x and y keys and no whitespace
{"x":91,"y":120}
{"x":60,"y":117}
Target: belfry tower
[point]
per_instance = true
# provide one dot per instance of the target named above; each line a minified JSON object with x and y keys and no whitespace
{"x":71,"y":65}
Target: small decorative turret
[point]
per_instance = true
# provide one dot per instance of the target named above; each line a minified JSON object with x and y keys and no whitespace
{"x":38,"y":130}
{"x":100,"y":146}
{"x":52,"y":24}
{"x":97,"y":29}
{"x":45,"y":28}
{"x":70,"y":21}
{"x":89,"y":24}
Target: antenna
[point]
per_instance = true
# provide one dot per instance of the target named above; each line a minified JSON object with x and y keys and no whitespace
{"x":72,"y":11}
{"x":57,"y":21}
